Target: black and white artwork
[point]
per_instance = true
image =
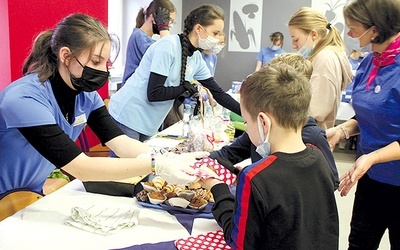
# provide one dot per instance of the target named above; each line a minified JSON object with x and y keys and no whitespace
{"x":244,"y":33}
{"x":333,"y":11}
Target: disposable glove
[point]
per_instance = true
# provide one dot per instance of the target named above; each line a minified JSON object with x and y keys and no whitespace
{"x":174,"y":171}
{"x":188,"y":158}
{"x":162,"y":18}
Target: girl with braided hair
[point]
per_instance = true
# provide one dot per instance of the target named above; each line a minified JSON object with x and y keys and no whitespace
{"x":164,"y":73}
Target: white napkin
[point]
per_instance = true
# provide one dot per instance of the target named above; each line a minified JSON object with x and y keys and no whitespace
{"x":101,"y":220}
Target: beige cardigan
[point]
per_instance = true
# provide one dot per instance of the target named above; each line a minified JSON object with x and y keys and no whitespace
{"x":331,"y":74}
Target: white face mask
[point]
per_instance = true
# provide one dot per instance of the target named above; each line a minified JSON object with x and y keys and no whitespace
{"x":217,"y":48}
{"x":275,"y":47}
{"x":355,"y":43}
{"x":264,"y":149}
{"x":304,"y":50}
{"x":209,"y":43}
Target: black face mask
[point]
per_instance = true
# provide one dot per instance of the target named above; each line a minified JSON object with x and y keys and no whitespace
{"x":91,"y":79}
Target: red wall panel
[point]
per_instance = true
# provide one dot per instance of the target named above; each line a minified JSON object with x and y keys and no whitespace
{"x":28,"y":18}
{"x":5,"y":75}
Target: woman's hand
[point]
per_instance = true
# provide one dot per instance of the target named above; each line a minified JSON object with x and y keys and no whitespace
{"x":174,"y":171}
{"x":360,"y":167}
{"x":162,"y":19}
{"x":334,"y":135}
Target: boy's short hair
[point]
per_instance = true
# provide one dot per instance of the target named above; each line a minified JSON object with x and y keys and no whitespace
{"x":280,"y":90}
{"x":296,"y":60}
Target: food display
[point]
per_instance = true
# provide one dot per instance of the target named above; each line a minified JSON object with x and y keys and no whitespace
{"x":195,"y":195}
{"x":158,"y":191}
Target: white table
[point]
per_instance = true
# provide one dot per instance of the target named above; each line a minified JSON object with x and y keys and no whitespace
{"x":41,"y":225}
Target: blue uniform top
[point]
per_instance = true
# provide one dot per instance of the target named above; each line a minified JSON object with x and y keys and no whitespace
{"x":211,"y":61}
{"x":130,"y":106}
{"x":25,"y":103}
{"x":267,"y":54}
{"x":138,"y":43}
{"x":377,"y":112}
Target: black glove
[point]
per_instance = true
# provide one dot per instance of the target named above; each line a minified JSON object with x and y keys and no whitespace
{"x":190,"y":88}
{"x":227,"y":164}
{"x":162,"y":18}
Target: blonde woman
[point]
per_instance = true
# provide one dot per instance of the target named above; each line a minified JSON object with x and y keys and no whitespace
{"x":320,"y":42}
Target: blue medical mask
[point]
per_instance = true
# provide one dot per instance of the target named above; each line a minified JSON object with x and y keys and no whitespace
{"x":275,"y":47}
{"x":264,"y":149}
{"x":354,"y":43}
{"x":304,"y":50}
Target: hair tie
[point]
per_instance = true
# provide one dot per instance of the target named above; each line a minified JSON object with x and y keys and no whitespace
{"x":328,"y":26}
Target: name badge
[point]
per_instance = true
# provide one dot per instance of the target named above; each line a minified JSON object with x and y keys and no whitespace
{"x":80,"y":119}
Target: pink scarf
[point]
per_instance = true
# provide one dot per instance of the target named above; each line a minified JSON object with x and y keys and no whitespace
{"x":386,"y":58}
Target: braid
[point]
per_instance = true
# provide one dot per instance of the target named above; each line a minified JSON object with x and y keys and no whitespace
{"x":185,"y":46}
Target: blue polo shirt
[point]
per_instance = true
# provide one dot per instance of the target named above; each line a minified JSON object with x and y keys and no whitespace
{"x":25,"y":103}
{"x":130,"y":106}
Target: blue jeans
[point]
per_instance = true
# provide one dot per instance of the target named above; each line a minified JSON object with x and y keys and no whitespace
{"x":376,"y":208}
{"x":130,"y":133}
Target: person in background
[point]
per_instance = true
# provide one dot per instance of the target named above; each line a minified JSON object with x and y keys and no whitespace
{"x":355,"y":58}
{"x":157,"y":18}
{"x":320,"y":42}
{"x":376,"y":103}
{"x":285,"y":200}
{"x":43,"y":113}
{"x":210,"y":56}
{"x":165,"y":72}
{"x":268,"y":53}
{"x":242,"y":148}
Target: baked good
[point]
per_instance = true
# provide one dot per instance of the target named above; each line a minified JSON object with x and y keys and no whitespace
{"x":197,"y":201}
{"x":158,"y":182}
{"x":157,"y":195}
{"x":142,"y":196}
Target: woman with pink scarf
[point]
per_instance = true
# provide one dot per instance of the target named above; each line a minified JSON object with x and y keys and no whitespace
{"x":376,"y":101}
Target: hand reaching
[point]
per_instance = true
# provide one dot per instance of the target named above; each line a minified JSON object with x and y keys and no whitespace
{"x":209,"y":183}
{"x":350,"y":178}
{"x":162,"y":18}
{"x":191,"y":88}
{"x":333,"y":135}
{"x":189,"y":158}
{"x":174,"y":171}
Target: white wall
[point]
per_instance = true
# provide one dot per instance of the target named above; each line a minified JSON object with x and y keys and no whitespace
{"x":122,"y":20}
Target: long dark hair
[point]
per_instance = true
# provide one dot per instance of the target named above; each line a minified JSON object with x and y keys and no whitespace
{"x":78,"y":32}
{"x":153,"y":7}
{"x":205,"y":16}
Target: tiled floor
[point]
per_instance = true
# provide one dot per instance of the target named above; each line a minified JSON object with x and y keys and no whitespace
{"x":344,"y":160}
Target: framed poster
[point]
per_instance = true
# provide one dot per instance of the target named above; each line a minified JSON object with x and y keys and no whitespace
{"x":333,"y":12}
{"x":245,"y":22}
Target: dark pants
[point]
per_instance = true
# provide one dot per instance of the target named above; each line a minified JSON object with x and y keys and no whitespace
{"x":376,"y":208}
